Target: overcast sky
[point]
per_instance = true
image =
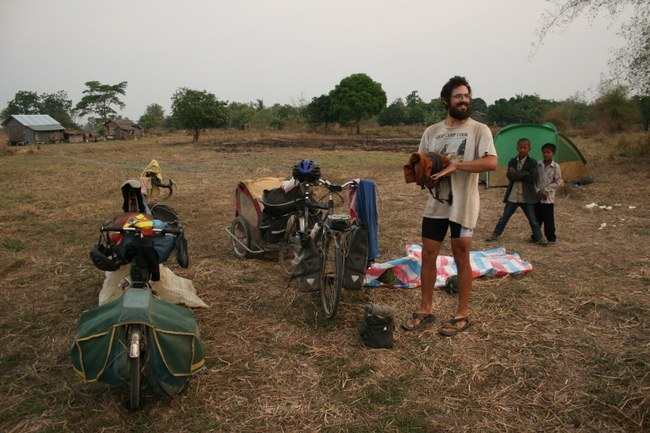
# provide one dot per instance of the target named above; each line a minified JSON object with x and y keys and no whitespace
{"x":283,"y":50}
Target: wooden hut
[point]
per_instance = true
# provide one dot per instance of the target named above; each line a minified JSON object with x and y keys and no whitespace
{"x":33,"y":128}
{"x":73,"y":136}
{"x":121,"y":129}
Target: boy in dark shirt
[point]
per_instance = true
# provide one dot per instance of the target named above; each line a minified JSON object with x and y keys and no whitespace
{"x":521,"y":193}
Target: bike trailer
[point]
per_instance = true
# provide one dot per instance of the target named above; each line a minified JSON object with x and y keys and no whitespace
{"x":174,"y":352}
{"x":249,"y":204}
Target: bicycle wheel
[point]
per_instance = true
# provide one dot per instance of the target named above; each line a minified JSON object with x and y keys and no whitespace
{"x":287,"y":253}
{"x":289,"y":246}
{"x":241,"y":242}
{"x":332,"y":273}
{"x":135,"y":337}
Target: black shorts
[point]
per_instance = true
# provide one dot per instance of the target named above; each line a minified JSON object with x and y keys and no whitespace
{"x":436,"y":229}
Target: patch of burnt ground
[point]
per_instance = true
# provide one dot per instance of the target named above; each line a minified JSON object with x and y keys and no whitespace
{"x":333,"y":143}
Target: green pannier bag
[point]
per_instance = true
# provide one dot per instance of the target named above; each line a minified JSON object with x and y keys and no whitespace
{"x":174,"y":352}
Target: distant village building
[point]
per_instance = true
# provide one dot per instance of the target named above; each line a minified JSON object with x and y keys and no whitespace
{"x":120,"y":129}
{"x":73,"y":136}
{"x":32,"y":129}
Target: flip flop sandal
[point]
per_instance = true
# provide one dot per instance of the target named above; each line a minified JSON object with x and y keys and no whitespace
{"x":422,"y":317}
{"x":453,"y":325}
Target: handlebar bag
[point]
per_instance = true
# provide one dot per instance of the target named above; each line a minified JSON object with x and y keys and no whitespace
{"x":163,"y":245}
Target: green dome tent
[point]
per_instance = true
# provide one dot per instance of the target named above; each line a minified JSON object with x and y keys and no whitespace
{"x":568,"y":155}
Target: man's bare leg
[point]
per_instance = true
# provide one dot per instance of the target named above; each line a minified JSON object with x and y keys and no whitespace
{"x":460,"y":248}
{"x":428,"y":274}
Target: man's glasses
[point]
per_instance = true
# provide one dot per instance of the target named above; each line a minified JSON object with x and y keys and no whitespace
{"x":461,"y":96}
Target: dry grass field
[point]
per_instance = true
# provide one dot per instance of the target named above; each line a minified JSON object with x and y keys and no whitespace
{"x":564,"y":348}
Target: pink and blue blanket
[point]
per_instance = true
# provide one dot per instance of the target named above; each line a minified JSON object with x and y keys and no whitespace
{"x":406,"y":270}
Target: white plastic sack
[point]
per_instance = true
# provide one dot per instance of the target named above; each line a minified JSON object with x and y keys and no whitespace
{"x":170,"y":288}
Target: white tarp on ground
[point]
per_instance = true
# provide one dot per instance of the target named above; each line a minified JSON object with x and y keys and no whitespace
{"x":171,"y":288}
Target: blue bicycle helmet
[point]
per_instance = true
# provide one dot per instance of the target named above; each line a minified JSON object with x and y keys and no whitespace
{"x":306,"y":170}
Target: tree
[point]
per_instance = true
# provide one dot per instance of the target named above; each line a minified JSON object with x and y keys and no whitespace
{"x":281,"y":115}
{"x":241,"y":115}
{"x":23,"y":103}
{"x":416,"y":111}
{"x":614,"y":111}
{"x":644,"y":110}
{"x":479,"y":106}
{"x":631,"y":62}
{"x":578,"y":109}
{"x":521,"y":109}
{"x":99,"y":98}
{"x":56,"y":105}
{"x":153,"y":117}
{"x":436,"y":111}
{"x":413,"y":99}
{"x":318,"y":111}
{"x":197,"y":110}
{"x":357,"y":96}
{"x":59,"y":107}
{"x":393,"y":115}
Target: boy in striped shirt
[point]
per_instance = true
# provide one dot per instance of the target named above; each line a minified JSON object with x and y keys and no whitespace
{"x":549,"y":179}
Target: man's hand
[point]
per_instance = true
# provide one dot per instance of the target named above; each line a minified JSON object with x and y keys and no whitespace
{"x":447,"y":171}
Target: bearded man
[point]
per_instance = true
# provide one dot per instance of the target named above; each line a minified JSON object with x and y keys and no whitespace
{"x":469,"y":146}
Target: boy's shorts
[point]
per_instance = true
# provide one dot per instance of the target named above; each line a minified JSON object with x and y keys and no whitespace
{"x":436,"y":229}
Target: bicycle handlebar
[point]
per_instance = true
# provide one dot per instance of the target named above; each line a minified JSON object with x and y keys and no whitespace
{"x":317,"y":205}
{"x":337,"y":188}
{"x":123,"y":230}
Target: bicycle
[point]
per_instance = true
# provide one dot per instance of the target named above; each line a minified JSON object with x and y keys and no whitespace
{"x":139,"y":334}
{"x":328,"y":233}
{"x":301,"y":222}
{"x":136,"y":333}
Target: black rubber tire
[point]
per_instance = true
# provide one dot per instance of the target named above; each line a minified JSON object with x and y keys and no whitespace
{"x":332,"y":276}
{"x":240,"y":229}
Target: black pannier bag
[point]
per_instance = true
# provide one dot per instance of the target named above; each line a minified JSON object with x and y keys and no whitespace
{"x":377,"y":327}
{"x":307,"y":265}
{"x":272,"y":229}
{"x":356,"y":261}
{"x":278,"y":202}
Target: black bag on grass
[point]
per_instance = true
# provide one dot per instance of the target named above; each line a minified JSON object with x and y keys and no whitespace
{"x":356,"y":261}
{"x":377,"y":327}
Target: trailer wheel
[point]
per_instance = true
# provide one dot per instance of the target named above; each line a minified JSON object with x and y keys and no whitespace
{"x":241,"y":243}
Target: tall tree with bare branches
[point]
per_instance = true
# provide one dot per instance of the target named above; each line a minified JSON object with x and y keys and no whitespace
{"x":630,"y":63}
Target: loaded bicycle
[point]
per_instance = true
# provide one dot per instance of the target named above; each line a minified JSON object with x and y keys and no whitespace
{"x":138,"y":334}
{"x":311,"y":240}
{"x":331,"y":239}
